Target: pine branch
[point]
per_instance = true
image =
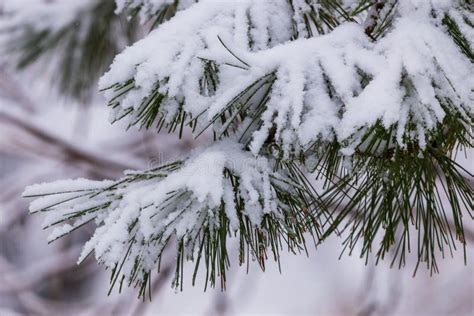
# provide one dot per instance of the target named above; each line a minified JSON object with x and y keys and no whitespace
{"x":131,"y":239}
{"x":458,"y":37}
{"x":390,"y":190}
{"x":79,"y":49}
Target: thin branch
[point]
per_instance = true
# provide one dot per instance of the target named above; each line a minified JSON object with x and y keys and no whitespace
{"x":72,"y":151}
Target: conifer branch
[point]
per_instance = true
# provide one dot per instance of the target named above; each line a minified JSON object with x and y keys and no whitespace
{"x":372,"y":97}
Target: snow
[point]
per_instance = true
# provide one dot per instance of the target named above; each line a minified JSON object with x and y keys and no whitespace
{"x":64,"y":186}
{"x":427,"y":58}
{"x":462,"y":18}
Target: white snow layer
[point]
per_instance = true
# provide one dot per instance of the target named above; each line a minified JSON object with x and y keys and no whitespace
{"x":317,"y":94}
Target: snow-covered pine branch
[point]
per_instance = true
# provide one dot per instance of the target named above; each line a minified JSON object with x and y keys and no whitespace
{"x":219,"y":192}
{"x":407,"y":73}
{"x":373,"y":97}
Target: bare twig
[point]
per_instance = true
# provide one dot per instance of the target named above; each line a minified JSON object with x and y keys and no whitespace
{"x":72,"y":151}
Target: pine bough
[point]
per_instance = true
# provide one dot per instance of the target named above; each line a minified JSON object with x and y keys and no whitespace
{"x":76,"y":39}
{"x":372,"y":98}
